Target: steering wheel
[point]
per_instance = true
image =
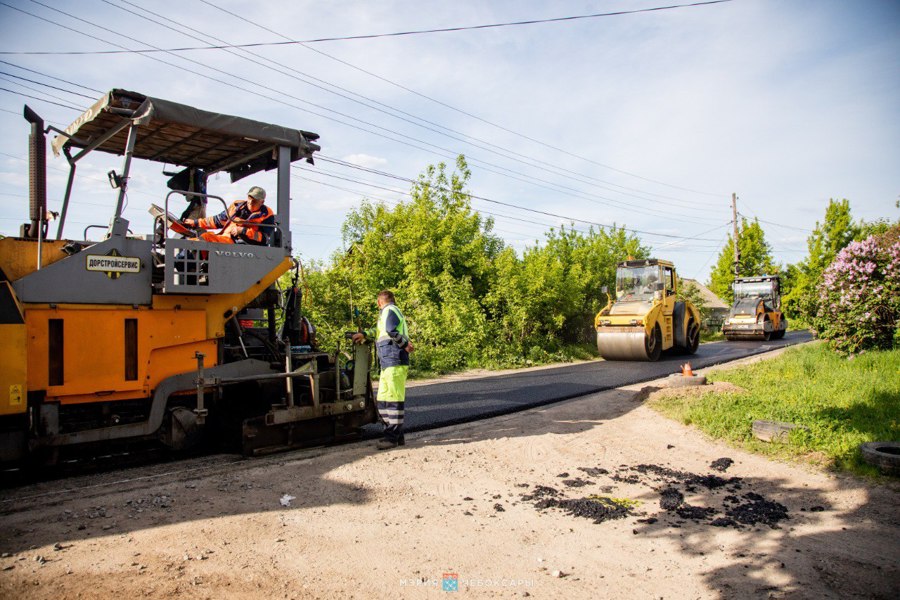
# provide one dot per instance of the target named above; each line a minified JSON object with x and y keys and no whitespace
{"x":175,"y":224}
{"x":180,"y":228}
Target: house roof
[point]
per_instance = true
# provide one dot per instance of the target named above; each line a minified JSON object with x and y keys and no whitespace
{"x":712,"y":301}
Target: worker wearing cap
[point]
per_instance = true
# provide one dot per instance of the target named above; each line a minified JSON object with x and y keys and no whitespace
{"x":249,"y":221}
{"x":393,"y":347}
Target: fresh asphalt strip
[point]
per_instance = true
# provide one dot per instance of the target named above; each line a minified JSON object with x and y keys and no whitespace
{"x":460,"y":401}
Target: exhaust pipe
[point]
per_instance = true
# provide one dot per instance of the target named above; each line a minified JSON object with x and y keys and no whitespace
{"x":37,"y":174}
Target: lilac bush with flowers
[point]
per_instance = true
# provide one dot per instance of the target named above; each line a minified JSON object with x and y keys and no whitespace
{"x":859,"y":301}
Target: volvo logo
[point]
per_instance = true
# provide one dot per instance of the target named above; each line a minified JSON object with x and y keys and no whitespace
{"x":235,"y":254}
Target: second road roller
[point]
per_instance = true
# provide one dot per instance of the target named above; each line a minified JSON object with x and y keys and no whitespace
{"x":756,"y":312}
{"x":647,"y":317}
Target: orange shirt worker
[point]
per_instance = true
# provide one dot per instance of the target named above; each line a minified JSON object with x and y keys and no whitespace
{"x":246,"y":217}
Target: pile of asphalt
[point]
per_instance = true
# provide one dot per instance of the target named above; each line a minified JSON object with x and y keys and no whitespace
{"x":717,"y":501}
{"x":596,"y":508}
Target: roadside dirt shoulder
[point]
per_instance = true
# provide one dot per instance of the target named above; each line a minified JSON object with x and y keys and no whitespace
{"x":598,"y":497}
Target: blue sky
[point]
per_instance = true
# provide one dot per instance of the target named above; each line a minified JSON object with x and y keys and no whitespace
{"x":647,"y":120}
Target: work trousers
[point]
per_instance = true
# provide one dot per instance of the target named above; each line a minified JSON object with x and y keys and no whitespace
{"x":215,"y":237}
{"x":391,"y":397}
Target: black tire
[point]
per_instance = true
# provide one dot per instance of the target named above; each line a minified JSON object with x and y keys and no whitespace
{"x":777,"y":335}
{"x":692,"y":337}
{"x":768,"y":334}
{"x":653,"y":344}
{"x":883,"y":455}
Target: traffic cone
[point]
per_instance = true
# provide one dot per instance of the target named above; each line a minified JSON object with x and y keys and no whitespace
{"x":686,"y":370}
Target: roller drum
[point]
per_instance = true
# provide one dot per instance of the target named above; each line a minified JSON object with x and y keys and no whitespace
{"x":752,"y":333}
{"x":750,"y":336}
{"x":623,"y":344}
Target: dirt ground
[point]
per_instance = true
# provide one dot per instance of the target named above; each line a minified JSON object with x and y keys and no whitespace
{"x":598,"y":497}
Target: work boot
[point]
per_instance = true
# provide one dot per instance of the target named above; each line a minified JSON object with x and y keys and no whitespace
{"x":386,"y":444}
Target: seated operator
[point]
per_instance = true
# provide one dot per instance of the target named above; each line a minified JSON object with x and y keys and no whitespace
{"x":246,"y":217}
{"x":650,"y":284}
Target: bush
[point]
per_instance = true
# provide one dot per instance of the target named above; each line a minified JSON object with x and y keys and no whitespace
{"x":859,"y":302}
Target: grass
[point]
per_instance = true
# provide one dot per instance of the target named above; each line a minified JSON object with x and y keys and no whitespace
{"x":711,"y":335}
{"x":844,"y":402}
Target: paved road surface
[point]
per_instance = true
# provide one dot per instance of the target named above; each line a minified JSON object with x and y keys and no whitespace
{"x":441,"y":404}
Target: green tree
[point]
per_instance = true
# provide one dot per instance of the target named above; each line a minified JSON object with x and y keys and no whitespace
{"x":597,"y":255}
{"x":755,"y":259}
{"x":437,"y":254}
{"x":689,"y":292}
{"x":548,"y":298}
{"x":827,"y":239}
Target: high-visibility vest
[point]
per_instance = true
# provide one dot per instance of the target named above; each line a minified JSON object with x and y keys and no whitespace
{"x":382,"y":333}
{"x":389,"y":353}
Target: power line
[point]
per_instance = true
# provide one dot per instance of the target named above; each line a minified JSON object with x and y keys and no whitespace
{"x":709,"y":258}
{"x":527,"y":209}
{"x":558,"y":188}
{"x":90,"y":89}
{"x":53,"y":87}
{"x":30,"y":88}
{"x":468,"y":114}
{"x":783,"y":226}
{"x":522,"y":235}
{"x":448,"y":153}
{"x":396,"y":202}
{"x":390,"y":202}
{"x":480,"y":211}
{"x":236,"y":46}
{"x":506,"y":153}
{"x":40,"y":99}
{"x":369,"y":36}
{"x":697,"y":236}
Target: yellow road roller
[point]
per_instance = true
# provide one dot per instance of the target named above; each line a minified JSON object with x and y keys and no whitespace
{"x":756,"y":312}
{"x":646,"y":317}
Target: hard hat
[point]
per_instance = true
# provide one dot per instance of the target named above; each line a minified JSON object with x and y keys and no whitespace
{"x":257,"y":192}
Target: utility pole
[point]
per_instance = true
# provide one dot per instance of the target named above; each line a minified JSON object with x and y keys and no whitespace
{"x":737,"y":256}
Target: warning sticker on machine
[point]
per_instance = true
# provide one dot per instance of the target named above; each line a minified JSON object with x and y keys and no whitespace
{"x":113,"y":264}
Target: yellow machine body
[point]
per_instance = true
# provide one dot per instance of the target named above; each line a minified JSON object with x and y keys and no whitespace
{"x":18,"y":257}
{"x":80,"y":353}
{"x":646,"y":317}
{"x":13,"y":354}
{"x":113,"y":352}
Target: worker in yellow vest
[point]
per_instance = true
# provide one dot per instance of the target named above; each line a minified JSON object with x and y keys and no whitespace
{"x":393,"y":348}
